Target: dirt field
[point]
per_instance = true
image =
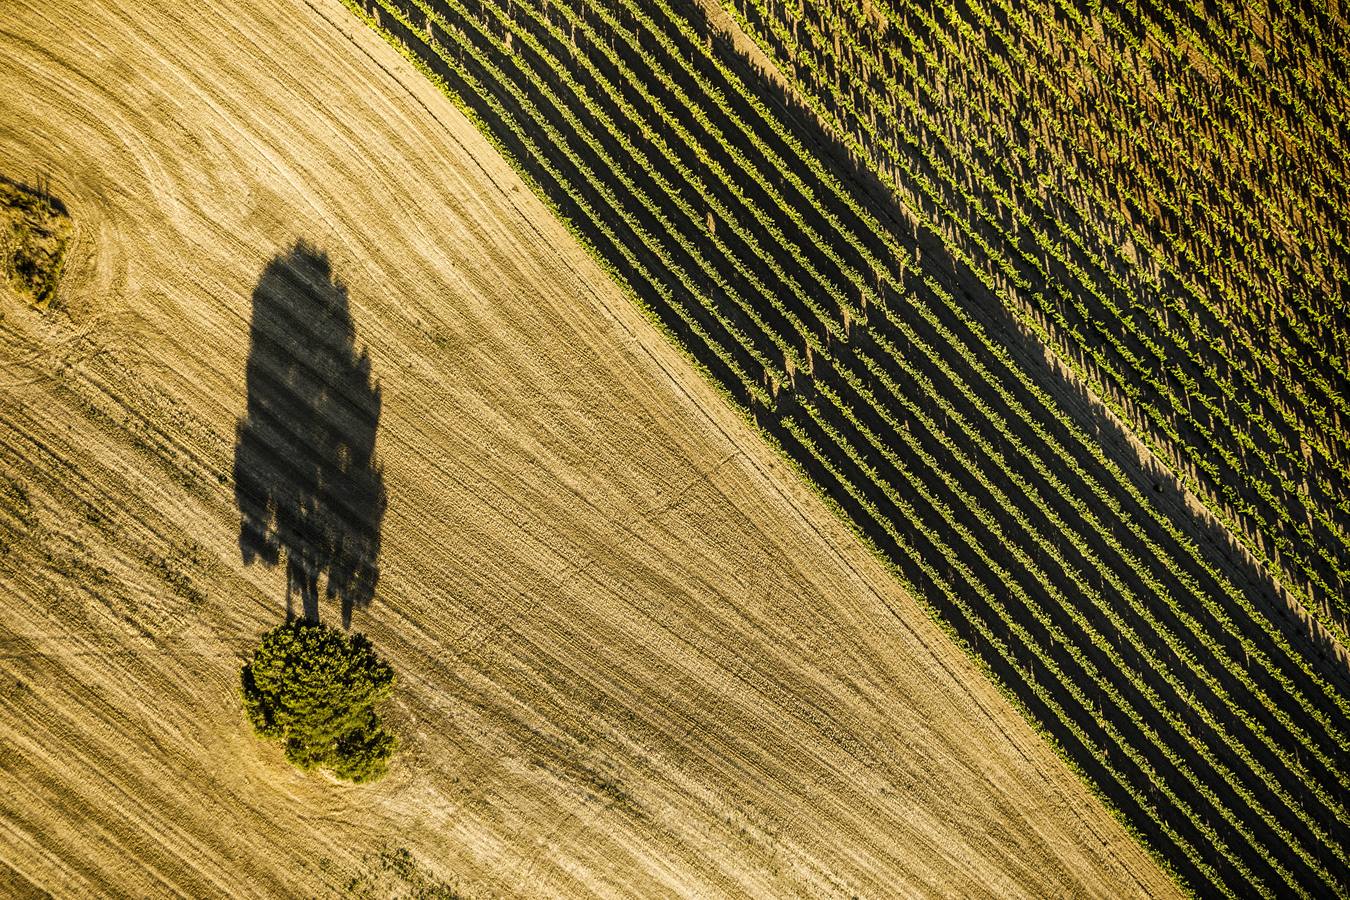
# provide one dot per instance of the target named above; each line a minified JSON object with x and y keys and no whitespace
{"x":635,"y":655}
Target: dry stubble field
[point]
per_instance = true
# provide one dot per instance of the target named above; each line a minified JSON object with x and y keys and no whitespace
{"x":635,"y":654}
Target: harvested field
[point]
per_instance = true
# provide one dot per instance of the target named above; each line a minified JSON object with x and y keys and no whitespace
{"x":636,"y":655}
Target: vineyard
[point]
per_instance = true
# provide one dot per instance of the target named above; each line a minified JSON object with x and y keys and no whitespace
{"x":1174,"y":226}
{"x":1050,"y":302}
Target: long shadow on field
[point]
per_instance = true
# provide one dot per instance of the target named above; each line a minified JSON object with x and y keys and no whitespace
{"x":307,"y":483}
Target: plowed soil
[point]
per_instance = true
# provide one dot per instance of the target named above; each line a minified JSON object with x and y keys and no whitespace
{"x":636,"y":655}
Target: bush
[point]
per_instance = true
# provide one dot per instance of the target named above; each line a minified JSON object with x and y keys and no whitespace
{"x":315,"y":689}
{"x":34,"y":232}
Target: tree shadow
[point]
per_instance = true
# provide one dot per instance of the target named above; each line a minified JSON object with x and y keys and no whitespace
{"x":307,"y":482}
{"x":41,"y":189}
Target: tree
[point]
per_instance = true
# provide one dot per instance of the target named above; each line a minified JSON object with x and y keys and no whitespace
{"x":314,"y":688}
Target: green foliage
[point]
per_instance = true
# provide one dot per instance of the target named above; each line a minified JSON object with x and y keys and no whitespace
{"x":315,"y":689}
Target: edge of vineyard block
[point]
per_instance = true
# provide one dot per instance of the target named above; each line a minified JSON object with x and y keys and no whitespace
{"x":650,"y":314}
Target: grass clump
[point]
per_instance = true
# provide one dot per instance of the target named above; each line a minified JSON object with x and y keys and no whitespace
{"x":315,"y":688}
{"x":34,"y":233}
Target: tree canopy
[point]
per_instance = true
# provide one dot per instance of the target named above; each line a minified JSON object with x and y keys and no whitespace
{"x":315,"y":688}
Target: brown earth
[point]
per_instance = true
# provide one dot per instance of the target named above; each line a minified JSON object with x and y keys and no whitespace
{"x":636,"y":656}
